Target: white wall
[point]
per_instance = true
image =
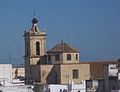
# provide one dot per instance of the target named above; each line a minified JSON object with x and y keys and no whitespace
{"x":71,"y":87}
{"x":57,"y":88}
{"x":113,"y":70}
{"x":16,"y":89}
{"x":6,"y":72}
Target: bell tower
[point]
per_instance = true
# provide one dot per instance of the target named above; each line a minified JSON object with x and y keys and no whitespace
{"x":35,"y":46}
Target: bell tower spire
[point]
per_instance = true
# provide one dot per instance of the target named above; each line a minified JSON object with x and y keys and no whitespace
{"x":35,"y":46}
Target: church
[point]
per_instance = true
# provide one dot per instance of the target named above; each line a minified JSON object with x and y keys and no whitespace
{"x":59,"y":65}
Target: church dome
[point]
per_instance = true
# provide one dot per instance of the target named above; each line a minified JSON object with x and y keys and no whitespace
{"x":64,"y":48}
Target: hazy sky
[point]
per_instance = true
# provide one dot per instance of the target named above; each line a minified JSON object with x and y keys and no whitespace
{"x":91,"y":26}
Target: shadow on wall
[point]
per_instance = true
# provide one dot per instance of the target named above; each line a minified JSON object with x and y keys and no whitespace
{"x":42,"y":60}
{"x":52,"y":76}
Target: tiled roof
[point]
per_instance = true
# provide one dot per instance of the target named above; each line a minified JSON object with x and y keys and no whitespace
{"x":64,"y":48}
{"x":97,"y":68}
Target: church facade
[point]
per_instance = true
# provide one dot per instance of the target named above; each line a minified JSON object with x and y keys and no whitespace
{"x":58,"y":66}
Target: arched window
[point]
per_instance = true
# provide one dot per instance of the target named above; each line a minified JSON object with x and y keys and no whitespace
{"x":68,"y":56}
{"x":76,"y":56}
{"x":35,"y":29}
{"x":37,"y":48}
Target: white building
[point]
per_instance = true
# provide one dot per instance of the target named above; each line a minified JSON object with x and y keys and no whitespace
{"x":112,"y":77}
{"x":6,"y":72}
{"x":113,"y":70}
{"x":71,"y":87}
{"x":7,"y":84}
{"x":16,"y":89}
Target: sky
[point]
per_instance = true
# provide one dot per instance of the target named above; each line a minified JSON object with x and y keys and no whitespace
{"x":91,"y":26}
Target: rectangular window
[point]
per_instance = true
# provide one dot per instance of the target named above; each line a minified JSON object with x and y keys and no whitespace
{"x":75,"y":73}
{"x":49,"y":58}
{"x":57,"y":57}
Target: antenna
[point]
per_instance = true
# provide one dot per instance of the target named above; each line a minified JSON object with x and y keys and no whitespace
{"x":34,"y":14}
{"x":44,"y":25}
{"x":4,"y":76}
{"x":9,"y":56}
{"x":10,"y":65}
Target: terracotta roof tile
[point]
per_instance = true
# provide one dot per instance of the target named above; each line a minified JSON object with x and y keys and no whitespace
{"x":97,"y":69}
{"x":64,"y":48}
